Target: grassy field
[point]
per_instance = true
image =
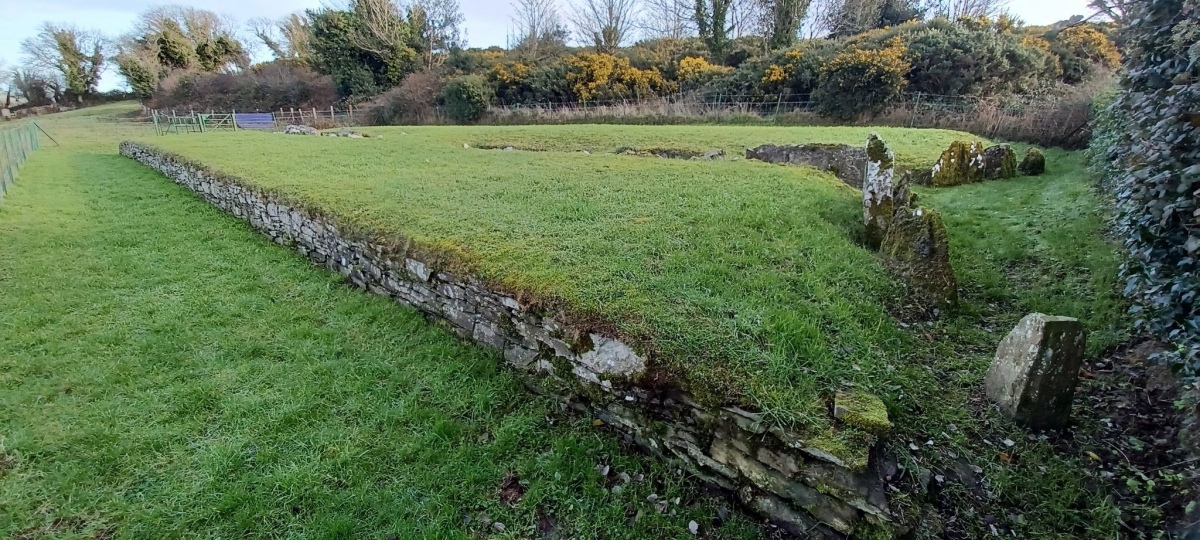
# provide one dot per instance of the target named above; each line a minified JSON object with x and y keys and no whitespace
{"x":759,"y":266}
{"x":913,"y":147}
{"x":168,"y":373}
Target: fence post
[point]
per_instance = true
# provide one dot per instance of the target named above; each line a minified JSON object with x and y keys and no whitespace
{"x":314,"y":109}
{"x":351,"y":109}
{"x":233,"y":118}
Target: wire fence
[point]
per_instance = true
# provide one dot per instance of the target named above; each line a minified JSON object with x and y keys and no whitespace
{"x":18,"y":143}
{"x":176,"y":121}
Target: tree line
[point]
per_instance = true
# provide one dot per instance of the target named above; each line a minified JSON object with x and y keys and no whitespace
{"x":564,"y":50}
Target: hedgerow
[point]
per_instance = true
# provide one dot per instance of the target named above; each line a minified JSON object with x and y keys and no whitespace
{"x":1154,"y":133}
{"x":861,"y":81}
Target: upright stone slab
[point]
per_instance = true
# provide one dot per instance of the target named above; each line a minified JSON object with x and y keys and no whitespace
{"x":1036,"y":369}
{"x":916,"y":250}
{"x":999,"y":161}
{"x":961,"y":163}
{"x":882,"y":192}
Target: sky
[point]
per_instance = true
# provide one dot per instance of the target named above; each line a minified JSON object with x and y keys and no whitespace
{"x":487,"y":21}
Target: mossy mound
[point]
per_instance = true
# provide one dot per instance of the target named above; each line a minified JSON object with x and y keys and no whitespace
{"x":1033,"y":164}
{"x":861,"y":410}
{"x":916,"y":250}
{"x":961,"y":163}
{"x":999,"y":161}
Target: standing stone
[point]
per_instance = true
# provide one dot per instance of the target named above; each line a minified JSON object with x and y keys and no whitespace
{"x":999,"y":161}
{"x":961,"y":163}
{"x":1036,"y":369}
{"x":1034,"y":163}
{"x":916,"y":250}
{"x":882,"y":192}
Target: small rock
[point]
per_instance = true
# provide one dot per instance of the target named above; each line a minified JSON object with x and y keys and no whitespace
{"x":694,"y":527}
{"x":508,"y":149}
{"x":1033,"y":164}
{"x":466,"y":146}
{"x":498,"y":527}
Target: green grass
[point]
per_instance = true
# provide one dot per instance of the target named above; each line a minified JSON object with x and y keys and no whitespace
{"x":742,"y":279}
{"x":913,"y":147}
{"x":168,"y":372}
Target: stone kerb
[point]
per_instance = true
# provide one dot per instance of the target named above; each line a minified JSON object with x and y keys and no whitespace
{"x":786,"y":476}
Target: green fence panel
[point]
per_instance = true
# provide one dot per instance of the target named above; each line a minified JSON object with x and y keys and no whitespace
{"x":17,"y":143}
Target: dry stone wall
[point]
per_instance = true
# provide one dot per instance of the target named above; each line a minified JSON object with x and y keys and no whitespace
{"x":783,"y":475}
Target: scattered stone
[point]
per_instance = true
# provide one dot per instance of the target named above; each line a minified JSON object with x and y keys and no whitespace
{"x":1036,"y":370}
{"x":916,"y":250}
{"x":841,"y":160}
{"x":694,"y":527}
{"x":466,"y":146}
{"x":293,"y":129}
{"x":862,"y":410}
{"x":882,"y":194}
{"x":1033,"y":164}
{"x":508,"y":149}
{"x":713,"y":154}
{"x":999,"y":161}
{"x":961,"y":163}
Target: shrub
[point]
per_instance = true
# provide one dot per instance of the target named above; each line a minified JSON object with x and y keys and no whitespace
{"x":467,"y":98}
{"x":1156,"y":156}
{"x":603,"y":77}
{"x":862,"y":81}
{"x":413,"y":102}
{"x":1081,"y":49}
{"x":694,"y":71}
{"x":266,"y":87}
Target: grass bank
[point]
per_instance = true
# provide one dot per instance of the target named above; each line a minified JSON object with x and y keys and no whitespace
{"x":167,"y":372}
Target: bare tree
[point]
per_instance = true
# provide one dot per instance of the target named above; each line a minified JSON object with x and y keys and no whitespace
{"x":286,"y":38}
{"x":381,"y":30}
{"x":1116,"y":10}
{"x":438,"y":24}
{"x":605,"y":23}
{"x":537,"y":27}
{"x":955,"y":9}
{"x":76,"y":57}
{"x":668,"y":18}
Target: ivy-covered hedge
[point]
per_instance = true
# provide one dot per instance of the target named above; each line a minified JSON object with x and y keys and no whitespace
{"x":1154,"y":137}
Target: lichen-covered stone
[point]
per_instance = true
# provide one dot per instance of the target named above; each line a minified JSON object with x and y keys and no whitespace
{"x":961,"y":163}
{"x":841,"y":160}
{"x":863,"y":411}
{"x":999,"y":161}
{"x":917,"y":251}
{"x":882,"y":192}
{"x":1033,"y":164}
{"x":1036,"y":370}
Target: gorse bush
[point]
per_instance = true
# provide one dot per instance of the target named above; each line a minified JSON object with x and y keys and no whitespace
{"x":1154,"y":138}
{"x":467,"y":98}
{"x":603,"y":77}
{"x":861,"y":81}
{"x":1081,"y":50}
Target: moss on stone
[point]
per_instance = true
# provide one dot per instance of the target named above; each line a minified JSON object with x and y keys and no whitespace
{"x":850,"y":446}
{"x":862,"y":410}
{"x":917,"y":251}
{"x":1033,"y":164}
{"x":999,"y":161}
{"x":961,"y":163}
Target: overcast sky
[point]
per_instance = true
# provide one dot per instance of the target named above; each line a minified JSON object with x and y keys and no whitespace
{"x":487,"y":21}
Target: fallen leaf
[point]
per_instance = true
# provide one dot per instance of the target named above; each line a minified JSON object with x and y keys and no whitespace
{"x":1005,"y":458}
{"x":597,"y":422}
{"x":694,"y":527}
{"x":1093,"y":456}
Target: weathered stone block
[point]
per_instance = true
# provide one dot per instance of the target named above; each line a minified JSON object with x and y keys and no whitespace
{"x":999,"y":161}
{"x":841,"y":160}
{"x":1036,"y":369}
{"x":1033,"y":164}
{"x":916,"y":250}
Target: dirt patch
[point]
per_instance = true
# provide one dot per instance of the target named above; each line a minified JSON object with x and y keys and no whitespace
{"x":511,"y":489}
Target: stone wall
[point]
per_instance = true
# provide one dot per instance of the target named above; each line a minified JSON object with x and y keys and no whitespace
{"x":775,"y":472}
{"x":841,"y":160}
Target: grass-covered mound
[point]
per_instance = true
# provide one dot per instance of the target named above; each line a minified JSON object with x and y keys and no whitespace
{"x":167,"y":373}
{"x":744,"y":281}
